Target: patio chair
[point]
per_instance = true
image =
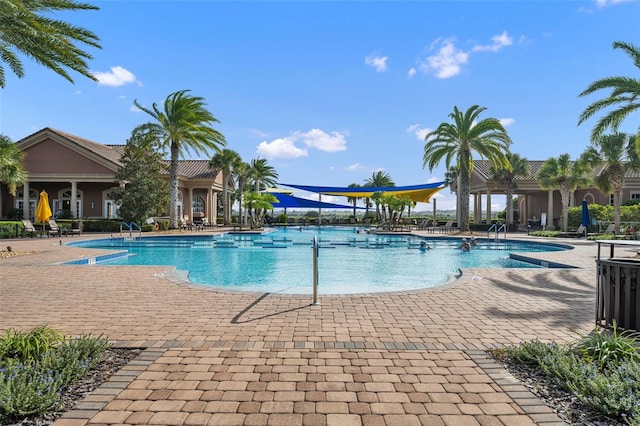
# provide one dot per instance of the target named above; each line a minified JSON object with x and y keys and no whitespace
{"x":55,"y":230}
{"x":582,"y":231}
{"x":611,"y":229}
{"x":447,"y":227}
{"x":76,"y":228}
{"x":29,"y":228}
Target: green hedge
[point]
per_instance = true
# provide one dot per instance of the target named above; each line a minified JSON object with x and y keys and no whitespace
{"x":603,"y":213}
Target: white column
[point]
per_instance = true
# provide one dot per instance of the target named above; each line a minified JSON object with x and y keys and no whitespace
{"x":190,"y":204}
{"x":25,"y":201}
{"x":549,"y":210}
{"x":74,"y":198}
{"x":211,"y":210}
{"x":488,"y":207}
{"x":572,"y":199}
{"x":475,"y":207}
{"x":478,"y":207}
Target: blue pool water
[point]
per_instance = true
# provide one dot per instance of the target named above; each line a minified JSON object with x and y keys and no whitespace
{"x":349,"y":261}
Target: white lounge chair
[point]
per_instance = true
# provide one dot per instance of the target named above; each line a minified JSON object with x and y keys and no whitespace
{"x":29,"y":228}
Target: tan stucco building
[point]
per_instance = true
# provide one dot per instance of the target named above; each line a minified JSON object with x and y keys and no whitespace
{"x":79,"y":175}
{"x":535,"y":203}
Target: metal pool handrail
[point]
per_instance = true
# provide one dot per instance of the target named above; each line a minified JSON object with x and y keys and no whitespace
{"x":130,"y":226}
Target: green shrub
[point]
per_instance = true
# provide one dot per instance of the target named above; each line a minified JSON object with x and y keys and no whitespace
{"x":14,"y":214}
{"x":28,"y":346}
{"x":32,"y":381}
{"x":604,"y":348}
{"x":603,"y":371}
{"x":552,"y":234}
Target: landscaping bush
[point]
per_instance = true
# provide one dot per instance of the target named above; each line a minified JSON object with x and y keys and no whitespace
{"x":8,"y":229}
{"x":37,"y":366}
{"x":101,"y":225}
{"x":602,"y":370}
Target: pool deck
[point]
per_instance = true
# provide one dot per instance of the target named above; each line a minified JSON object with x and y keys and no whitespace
{"x":230,"y":358}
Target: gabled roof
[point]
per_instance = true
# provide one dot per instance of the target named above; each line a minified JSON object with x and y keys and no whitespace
{"x":194,"y":169}
{"x":97,"y":148}
{"x":483,"y":169}
{"x":191,"y":169}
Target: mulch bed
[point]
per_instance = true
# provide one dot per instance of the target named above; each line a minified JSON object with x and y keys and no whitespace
{"x":115,"y":359}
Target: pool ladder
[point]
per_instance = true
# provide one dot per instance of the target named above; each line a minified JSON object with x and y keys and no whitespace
{"x":494,"y":227}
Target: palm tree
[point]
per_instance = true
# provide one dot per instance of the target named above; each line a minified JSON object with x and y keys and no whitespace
{"x":224,"y":162}
{"x":262,"y":174}
{"x":353,"y":200}
{"x":625,"y":96}
{"x":617,"y":153}
{"x":184,"y":125}
{"x":379,"y":179}
{"x":563,"y":174}
{"x":12,"y":171}
{"x":25,"y":29}
{"x":458,"y":140}
{"x":506,"y":177}
{"x":241,"y":172}
{"x":257,"y":205}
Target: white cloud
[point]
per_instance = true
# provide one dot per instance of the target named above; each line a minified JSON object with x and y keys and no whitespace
{"x":434,"y":179}
{"x":411,"y":72}
{"x":605,"y":3}
{"x":287,"y":147}
{"x":352,"y":167}
{"x":506,"y":121}
{"x":318,"y":139}
{"x":134,"y":108}
{"x":118,"y":76}
{"x":446,"y":62}
{"x":499,"y":41}
{"x":420,"y":133}
{"x":377,"y":62}
{"x":281,"y":148}
{"x":258,"y":133}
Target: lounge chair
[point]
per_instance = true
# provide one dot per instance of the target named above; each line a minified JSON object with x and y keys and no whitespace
{"x":582,"y":231}
{"x":29,"y":228}
{"x":447,"y":227}
{"x":76,"y":228}
{"x":611,"y":229}
{"x":55,"y":230}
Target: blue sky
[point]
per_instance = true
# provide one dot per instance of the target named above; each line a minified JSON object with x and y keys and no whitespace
{"x":330,"y":92}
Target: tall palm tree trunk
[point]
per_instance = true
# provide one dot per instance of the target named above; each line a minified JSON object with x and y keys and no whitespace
{"x":565,"y":194}
{"x":173,"y":176}
{"x":225,"y":199}
{"x":465,"y":178}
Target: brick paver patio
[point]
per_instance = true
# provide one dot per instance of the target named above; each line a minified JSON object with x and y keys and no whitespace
{"x":229,"y":358}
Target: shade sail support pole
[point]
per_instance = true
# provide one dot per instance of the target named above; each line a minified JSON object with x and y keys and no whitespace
{"x":315,"y":270}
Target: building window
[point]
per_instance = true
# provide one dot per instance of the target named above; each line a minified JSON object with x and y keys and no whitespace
{"x":620,"y":197}
{"x":198,"y":204}
{"x":635,"y":195}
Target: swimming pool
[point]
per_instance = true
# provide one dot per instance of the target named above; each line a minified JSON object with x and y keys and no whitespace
{"x":349,"y":261}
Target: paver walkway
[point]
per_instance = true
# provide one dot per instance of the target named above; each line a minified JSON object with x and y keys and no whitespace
{"x":216,"y":357}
